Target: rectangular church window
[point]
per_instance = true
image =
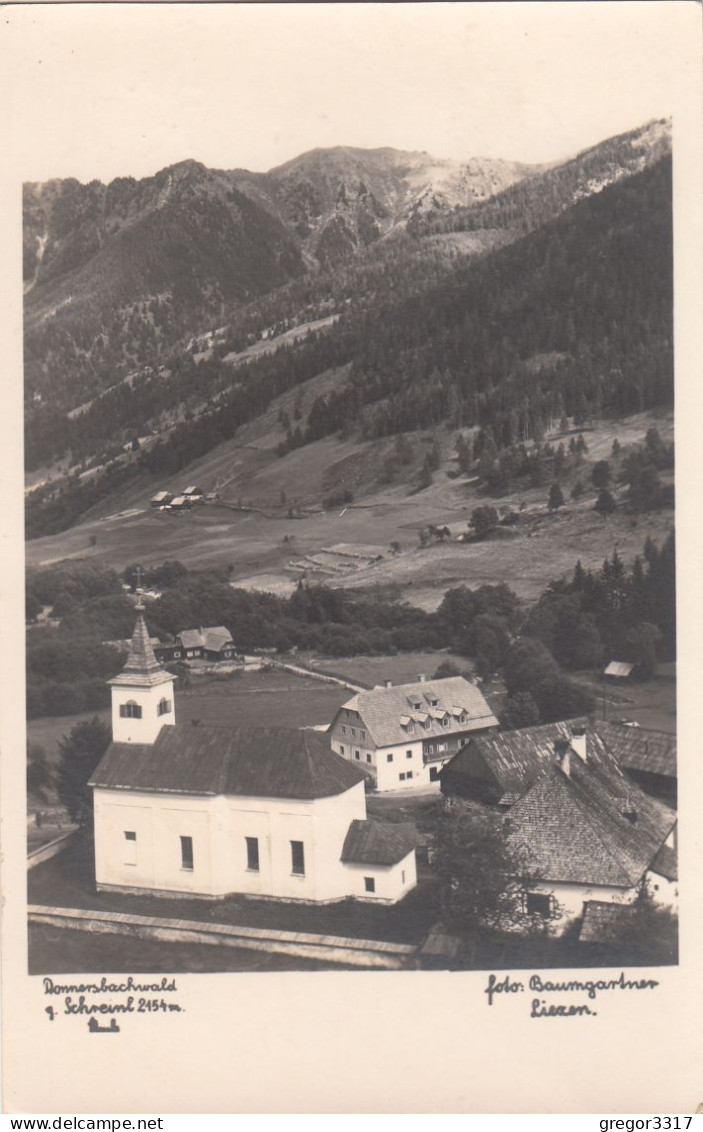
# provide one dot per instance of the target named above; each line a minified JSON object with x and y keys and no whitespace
{"x":187,"y":853}
{"x":252,"y":854}
{"x":297,"y":850}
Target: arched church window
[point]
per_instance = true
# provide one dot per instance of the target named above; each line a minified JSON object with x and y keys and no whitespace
{"x":130,"y":710}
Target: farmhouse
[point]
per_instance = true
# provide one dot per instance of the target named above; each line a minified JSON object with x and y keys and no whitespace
{"x":402,"y":736}
{"x":161,"y":499}
{"x":582,"y":829}
{"x":195,"y":494}
{"x":212,"y":811}
{"x":179,"y":503}
{"x":214,"y":643}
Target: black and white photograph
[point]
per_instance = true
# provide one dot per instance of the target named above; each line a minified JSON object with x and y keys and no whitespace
{"x":350,"y":390}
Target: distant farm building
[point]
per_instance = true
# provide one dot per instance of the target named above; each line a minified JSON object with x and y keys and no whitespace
{"x":161,"y":499}
{"x":618,"y":670}
{"x":180,"y":503}
{"x":214,"y":643}
{"x":193,"y":493}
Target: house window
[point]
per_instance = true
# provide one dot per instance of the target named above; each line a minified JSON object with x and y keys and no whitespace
{"x":297,"y":853}
{"x":445,"y":722}
{"x":344,"y":730}
{"x":130,"y":847}
{"x":408,"y":754}
{"x":363,"y":734}
{"x":428,"y":724}
{"x":357,"y":754}
{"x":187,"y":853}
{"x":130,"y":710}
{"x":538,"y":904}
{"x":389,"y":758}
{"x":353,"y":731}
{"x":164,"y":707}
{"x":430,"y":748}
{"x":341,"y":749}
{"x":368,"y":758}
{"x":401,"y":777}
{"x":369,"y":884}
{"x":409,"y":774}
{"x":434,"y":774}
{"x":189,"y":652}
{"x":252,"y":854}
{"x":176,"y":652}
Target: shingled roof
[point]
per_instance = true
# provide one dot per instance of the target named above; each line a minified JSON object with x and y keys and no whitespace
{"x":262,"y":762}
{"x":142,"y":669}
{"x":590,"y":825}
{"x":512,"y":760}
{"x":638,"y":748}
{"x":603,"y":922}
{"x":421,"y":706}
{"x":377,"y":843}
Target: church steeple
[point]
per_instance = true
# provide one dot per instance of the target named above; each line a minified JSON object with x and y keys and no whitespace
{"x":142,"y":693}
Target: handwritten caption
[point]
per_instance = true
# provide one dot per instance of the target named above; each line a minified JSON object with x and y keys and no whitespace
{"x":103,"y":1002}
{"x":505,"y":986}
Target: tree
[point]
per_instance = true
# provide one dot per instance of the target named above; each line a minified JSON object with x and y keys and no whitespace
{"x":79,"y":753}
{"x":601,"y":474}
{"x":642,"y":645}
{"x":520,"y":711}
{"x":556,"y":497}
{"x":38,"y":770}
{"x":577,"y":490}
{"x":616,"y":449}
{"x":484,"y":519}
{"x":527,"y":664}
{"x":604,"y":504}
{"x":482,"y":880}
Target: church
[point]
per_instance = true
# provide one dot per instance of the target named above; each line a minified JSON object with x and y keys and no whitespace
{"x":205,"y":811}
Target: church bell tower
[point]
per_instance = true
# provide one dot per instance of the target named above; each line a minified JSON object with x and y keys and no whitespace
{"x":142,"y":694}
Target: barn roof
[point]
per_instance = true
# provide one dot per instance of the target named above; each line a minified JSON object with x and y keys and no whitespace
{"x":513,"y":758}
{"x":638,"y":748}
{"x":404,"y":711}
{"x":588,"y":825}
{"x":142,"y":669}
{"x":264,"y":763}
{"x":378,"y":843}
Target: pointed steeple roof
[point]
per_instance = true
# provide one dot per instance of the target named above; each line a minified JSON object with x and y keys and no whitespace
{"x":142,"y":669}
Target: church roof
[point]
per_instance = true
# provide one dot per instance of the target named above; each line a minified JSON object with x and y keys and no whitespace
{"x":142,"y":669}
{"x":378,"y":843}
{"x":261,"y":762}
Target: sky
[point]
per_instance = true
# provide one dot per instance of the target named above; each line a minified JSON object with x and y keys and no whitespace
{"x":99,"y":91}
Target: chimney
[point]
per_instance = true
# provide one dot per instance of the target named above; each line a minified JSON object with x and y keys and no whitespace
{"x":562,"y":749}
{"x":578,"y":742}
{"x":421,"y":677}
{"x":388,"y":683}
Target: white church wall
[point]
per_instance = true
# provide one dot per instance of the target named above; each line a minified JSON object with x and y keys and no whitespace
{"x":390,"y":882}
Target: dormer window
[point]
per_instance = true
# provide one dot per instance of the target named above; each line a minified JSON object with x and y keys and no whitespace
{"x":445,"y":721}
{"x":428,"y":724}
{"x":130,"y":710}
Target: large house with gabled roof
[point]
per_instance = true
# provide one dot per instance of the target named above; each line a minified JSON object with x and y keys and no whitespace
{"x":211,"y":811}
{"x":402,"y":735}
